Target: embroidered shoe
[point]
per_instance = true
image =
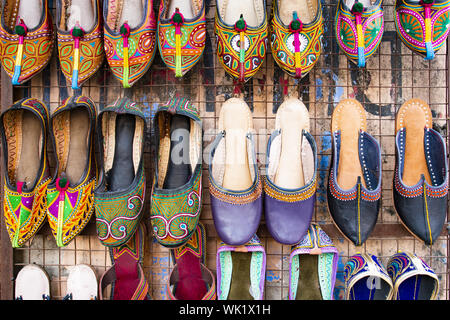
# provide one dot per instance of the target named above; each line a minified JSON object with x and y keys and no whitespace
{"x":130,"y":38}
{"x":190,"y":279}
{"x":291,"y":169}
{"x":181,"y":34}
{"x":359,"y":27}
{"x":313,"y":266}
{"x":120,"y":192}
{"x":26,"y":42}
{"x":366,"y":279}
{"x":80,"y":40}
{"x":241,"y":34}
{"x":423,"y":25}
{"x":23,"y":128}
{"x":412,"y":278}
{"x":177,"y":186}
{"x":354,"y":182}
{"x":70,"y":194}
{"x":234,"y":182}
{"x":296,"y":35}
{"x":241,"y":271}
{"x":421,"y":172}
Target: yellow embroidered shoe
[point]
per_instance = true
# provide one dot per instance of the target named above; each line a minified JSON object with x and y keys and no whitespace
{"x":23,"y":129}
{"x":296,"y":35}
{"x":130,"y":38}
{"x":26,"y":38}
{"x":80,"y":40}
{"x":241,"y":34}
{"x":70,"y":194}
{"x":181,"y":34}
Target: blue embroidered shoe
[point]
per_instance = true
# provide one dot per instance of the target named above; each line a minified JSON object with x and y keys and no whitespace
{"x":241,"y":271}
{"x":354,"y":183}
{"x":421,"y":172}
{"x":313,"y":266}
{"x":366,"y":279}
{"x":413,"y":279}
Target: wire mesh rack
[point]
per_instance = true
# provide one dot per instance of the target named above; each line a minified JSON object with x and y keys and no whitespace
{"x":393,"y":75}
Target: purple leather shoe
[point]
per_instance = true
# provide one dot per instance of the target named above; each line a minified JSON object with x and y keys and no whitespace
{"x":234,"y":182}
{"x":290,"y":180}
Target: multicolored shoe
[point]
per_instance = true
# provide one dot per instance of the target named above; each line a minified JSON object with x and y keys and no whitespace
{"x":359,"y":27}
{"x":313,"y":267}
{"x":413,"y":279}
{"x":177,"y":186}
{"x":81,"y":52}
{"x":23,"y":129}
{"x":24,"y":51}
{"x":366,"y":279}
{"x":241,"y":33}
{"x":120,"y":193}
{"x":423,"y":25}
{"x":70,"y":194}
{"x":241,"y":271}
{"x":130,"y":51}
{"x":181,"y":35}
{"x":296,"y":39}
{"x":421,"y":172}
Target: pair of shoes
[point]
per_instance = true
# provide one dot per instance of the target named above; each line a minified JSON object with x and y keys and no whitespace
{"x":31,"y":194}
{"x":420,"y":179}
{"x":33,"y":283}
{"x":190,"y":279}
{"x":407,"y":277}
{"x":236,"y":189}
{"x":131,"y":32}
{"x":126,"y":277}
{"x":423,"y":26}
{"x":242,"y":32}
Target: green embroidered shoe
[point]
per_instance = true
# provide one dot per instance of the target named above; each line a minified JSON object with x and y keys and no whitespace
{"x":177,"y":186}
{"x":119,"y":196}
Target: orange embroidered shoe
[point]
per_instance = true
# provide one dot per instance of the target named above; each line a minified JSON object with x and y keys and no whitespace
{"x":26,"y":43}
{"x":296,"y":35}
{"x":130,"y":38}
{"x":181,"y":34}
{"x":80,"y":41}
{"x":23,"y":129}
{"x":70,"y":194}
{"x":241,"y":34}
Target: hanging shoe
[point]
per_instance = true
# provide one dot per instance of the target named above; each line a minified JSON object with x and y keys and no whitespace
{"x":120,"y":192}
{"x":241,"y":33}
{"x":354,"y":182}
{"x":421,"y":172}
{"x":291,"y":169}
{"x":241,"y":271}
{"x":423,"y":25}
{"x":23,"y":128}
{"x":81,"y":283}
{"x":80,"y":39}
{"x":413,"y":279}
{"x":70,"y":194}
{"x":177,"y":186}
{"x":26,"y":38}
{"x":181,"y":34}
{"x":130,"y":38}
{"x":234,"y":181}
{"x":190,"y":279}
{"x":126,"y":275}
{"x":366,"y":279}
{"x":297,"y":32}
{"x":359,"y":27}
{"x":32,"y":283}
{"x":313,"y":266}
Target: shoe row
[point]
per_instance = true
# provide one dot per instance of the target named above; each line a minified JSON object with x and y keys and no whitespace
{"x":127,"y":33}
